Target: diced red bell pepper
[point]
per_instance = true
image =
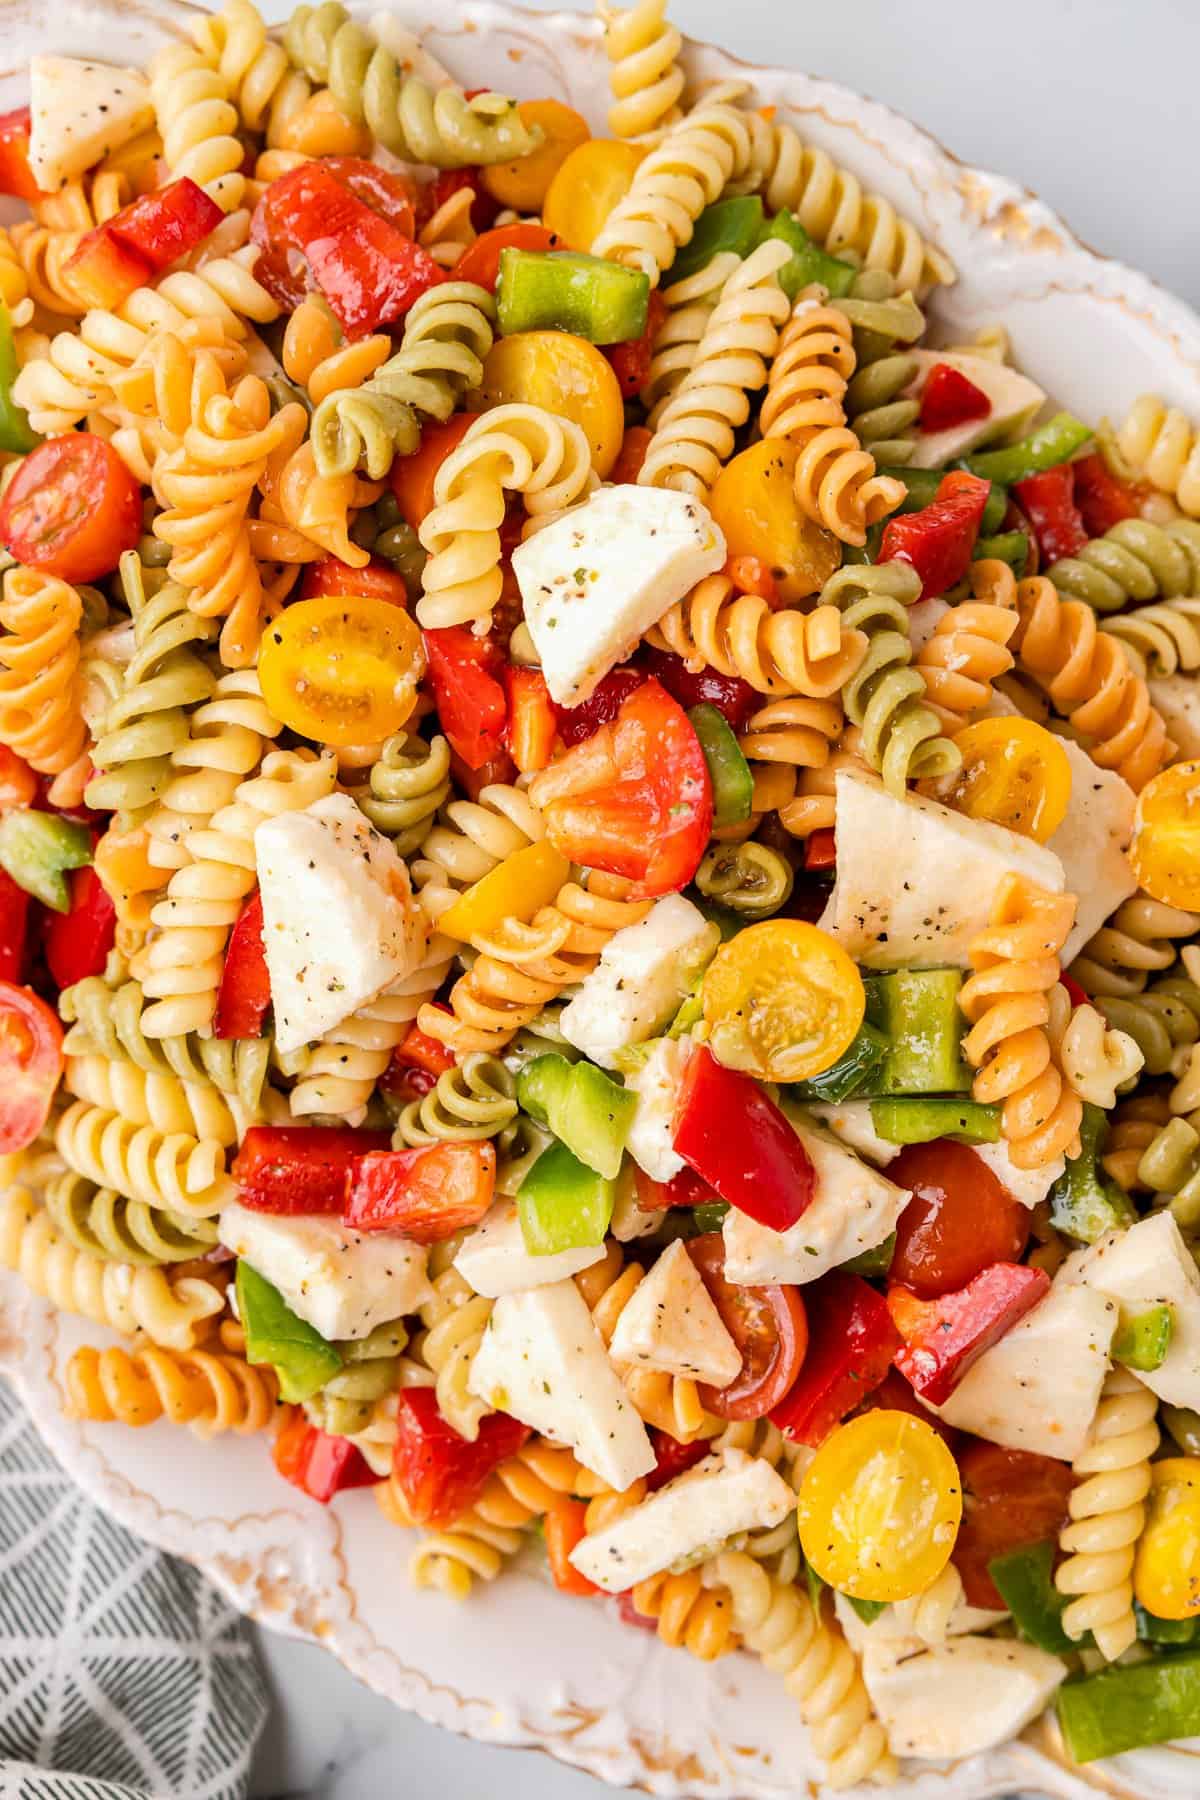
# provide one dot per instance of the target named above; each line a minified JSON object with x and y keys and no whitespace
{"x":466,"y":673}
{"x":318,"y":1463}
{"x":412,"y":477}
{"x":103,"y":271}
{"x":532,"y":720}
{"x":631,"y":359}
{"x":439,"y":1472}
{"x":751,"y":575}
{"x":471,"y":782}
{"x":1078,"y":997}
{"x":564,"y":1525}
{"x":416,"y":1050}
{"x":939,"y":539}
{"x":16,"y":176}
{"x":293,"y":1169}
{"x":684,"y":1189}
{"x":951,"y":398}
{"x":1048,"y":501}
{"x":375,"y":581}
{"x":672,"y":1458}
{"x":426,"y":1194}
{"x":448,"y":182}
{"x":386,"y":191}
{"x":820,"y":852}
{"x":167,"y":224}
{"x":1102,"y":499}
{"x":734,"y":698}
{"x":575,"y":723}
{"x":77,"y":943}
{"x":735,"y":1137}
{"x":14,"y":925}
{"x":944,"y":1337}
{"x":852,"y":1341}
{"x":244,"y":996}
{"x":632,"y":454}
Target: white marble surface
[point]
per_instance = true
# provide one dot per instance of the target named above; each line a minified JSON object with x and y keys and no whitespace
{"x":1091,"y":103}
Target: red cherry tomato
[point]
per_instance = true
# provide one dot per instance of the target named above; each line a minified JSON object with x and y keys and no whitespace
{"x":374,"y":582}
{"x":439,"y":1473}
{"x":1011,"y":1498}
{"x":31,"y":1062}
{"x":895,"y":1395}
{"x":16,"y":177}
{"x":72,"y":508}
{"x":734,"y":698}
{"x":632,"y":454}
{"x":412,"y":477}
{"x":466,"y":675}
{"x":960,"y":1220}
{"x":575,"y":723}
{"x":631,"y":358}
{"x":481,"y":263}
{"x":769,"y":1327}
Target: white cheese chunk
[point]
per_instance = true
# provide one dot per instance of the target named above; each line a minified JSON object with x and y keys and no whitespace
{"x":853,"y":1209}
{"x":670,"y":1323}
{"x":896,"y":1621}
{"x":851,"y":1123}
{"x":657,"y":1084}
{"x":493,"y":1257}
{"x":1014,"y":402}
{"x":1150,"y":1265}
{"x":339,"y":919}
{"x":725,"y":1494}
{"x":645,"y":973}
{"x":78,"y":113}
{"x":1091,"y":843}
{"x":599,"y":577}
{"x":958,"y":1698}
{"x":343,"y":1282}
{"x":1177,"y":698}
{"x":1029,"y":1186}
{"x":1038,"y":1388}
{"x":543,"y":1360}
{"x":916,"y":882}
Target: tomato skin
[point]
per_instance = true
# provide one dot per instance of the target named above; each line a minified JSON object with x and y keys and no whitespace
{"x":412,"y":477}
{"x":672,"y":1458}
{"x":684,"y":1189}
{"x":852,"y":1342}
{"x":895,"y":1395}
{"x":342,"y":669}
{"x":72,"y":508}
{"x":820,"y":850}
{"x":16,"y":177}
{"x":733,"y":698}
{"x":77,"y":943}
{"x":439,"y":1473}
{"x":448,"y":182}
{"x":481,"y":263}
{"x":1048,"y":501}
{"x":632,"y":454}
{"x":769,"y":1326}
{"x":425,"y":1194}
{"x":960,"y":1219}
{"x":31,"y":1062}
{"x":782,"y":1001}
{"x":576,"y":723}
{"x":316,"y":1462}
{"x":750,"y":575}
{"x":938,"y":540}
{"x":299,"y":1168}
{"x":465,"y":674}
{"x":1014,"y":773}
{"x":330,"y":575}
{"x":244,"y":995}
{"x":1011,"y":1498}
{"x":14,"y":927}
{"x":1103,"y":501}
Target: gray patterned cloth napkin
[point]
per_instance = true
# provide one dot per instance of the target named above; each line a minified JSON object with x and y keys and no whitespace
{"x":123,"y":1674}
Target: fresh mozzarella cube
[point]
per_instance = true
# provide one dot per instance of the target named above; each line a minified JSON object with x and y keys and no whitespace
{"x":1014,"y":401}
{"x":957,"y":1698}
{"x":598,"y":578}
{"x":670,"y":1323}
{"x":1150,"y":1265}
{"x":657,"y":1084}
{"x":1029,"y":1186}
{"x":78,"y":113}
{"x":1038,"y":1388}
{"x":494,"y":1260}
{"x":896,"y":1621}
{"x":725,"y":1494}
{"x":339,"y":919}
{"x":853,"y":1209}
{"x":1177,"y":698}
{"x":343,"y":1282}
{"x":543,"y":1360}
{"x":1091,"y":843}
{"x":851,"y":1123}
{"x":645,"y":973}
{"x":916,"y":882}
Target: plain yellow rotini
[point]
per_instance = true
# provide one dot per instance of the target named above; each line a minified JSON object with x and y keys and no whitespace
{"x":227,"y":737}
{"x":173,"y":1170}
{"x":1163,"y":445}
{"x":261,"y":82}
{"x":453,"y":1319}
{"x":41,"y":693}
{"x":692,"y":166}
{"x":470,"y":838}
{"x":646,"y":81}
{"x":146,"y":1098}
{"x":1096,"y":1058}
{"x":198,"y":123}
{"x":211,"y":1392}
{"x":689,"y":305}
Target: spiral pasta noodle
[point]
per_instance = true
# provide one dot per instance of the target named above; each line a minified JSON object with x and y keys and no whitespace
{"x":371,"y":1369}
{"x":1162,"y":639}
{"x":689,"y":304}
{"x":778,"y":653}
{"x":208,"y":1391}
{"x":687,"y":1614}
{"x":752,"y":879}
{"x":198,"y":123}
{"x":1139,"y":940}
{"x":317,"y":357}
{"x":669,"y":1402}
{"x":1135,"y":561}
{"x":876,"y":400}
{"x":146,"y":1097}
{"x":1162,"y":444}
{"x":1096,"y":1058}
{"x":646,"y":81}
{"x":41,"y":694}
{"x":969,"y":647}
{"x":268,"y":93}
{"x":448,"y":233}
{"x":174,"y":1171}
{"x":227,"y":737}
{"x":1162,"y":1019}
{"x":303,"y":515}
{"x":476,"y":1099}
{"x":1132,"y":1129}
{"x":109,"y":1225}
{"x":454,"y":1319}
{"x":794,"y":734}
{"x":671,"y":187}
{"x":927,"y":1615}
{"x":409,"y":781}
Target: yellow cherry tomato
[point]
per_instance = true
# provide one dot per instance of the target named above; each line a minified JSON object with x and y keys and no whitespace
{"x":1166,"y":1574}
{"x":782,"y":1000}
{"x":514,"y":889}
{"x":341,"y":668}
{"x":566,"y":375}
{"x":1165,"y":852}
{"x":523,"y":184}
{"x":754,"y":503}
{"x":587,"y":187}
{"x":1015,"y":773}
{"x":880,"y":1506}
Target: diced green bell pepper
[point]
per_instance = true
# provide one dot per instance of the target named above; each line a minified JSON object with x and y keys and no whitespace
{"x":920,"y":1119}
{"x":1130,"y":1705}
{"x":1051,"y":444}
{"x":1152,"y":1630}
{"x":867,"y":1610}
{"x":567,"y":290}
{"x":855,"y":1069}
{"x":38,"y":849}
{"x":726,"y":225}
{"x":809,"y":262}
{"x":917,"y":1011}
{"x":1011,"y":547}
{"x":562,"y":1204}
{"x":582,"y":1106}
{"x":1025,"y":1579}
{"x":872,"y":1264}
{"x":728,"y":770}
{"x":1082,"y":1203}
{"x":921,"y":486}
{"x":303,"y":1360}
{"x":1143,"y":1340}
{"x":16,"y":433}
{"x":711,"y":1216}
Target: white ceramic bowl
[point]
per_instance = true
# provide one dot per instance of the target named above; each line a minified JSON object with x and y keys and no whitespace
{"x":524,"y":1664}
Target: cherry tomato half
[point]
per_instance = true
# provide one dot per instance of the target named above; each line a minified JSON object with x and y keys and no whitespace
{"x":72,"y":508}
{"x":1011,"y":1498}
{"x":481,"y":263}
{"x":1014,"y":773}
{"x":1166,"y":1575}
{"x":586,"y":188}
{"x":879,"y":1507}
{"x":523,"y":184}
{"x":754,"y":503}
{"x":568,"y":377}
{"x":768,"y":1325}
{"x":376,"y":581}
{"x":412,"y":477}
{"x":961,"y":1219}
{"x":341,"y":669}
{"x":31,"y":1062}
{"x":782,"y":1000}
{"x":1165,"y":852}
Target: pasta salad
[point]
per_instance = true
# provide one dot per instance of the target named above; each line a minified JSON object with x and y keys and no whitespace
{"x":599,"y":871}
